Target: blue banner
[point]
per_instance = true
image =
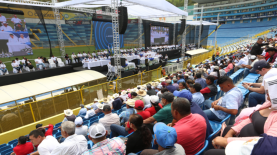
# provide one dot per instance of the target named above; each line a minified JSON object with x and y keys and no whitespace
{"x":103,"y":35}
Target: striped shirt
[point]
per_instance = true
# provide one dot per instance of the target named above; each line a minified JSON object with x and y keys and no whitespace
{"x":114,"y":146}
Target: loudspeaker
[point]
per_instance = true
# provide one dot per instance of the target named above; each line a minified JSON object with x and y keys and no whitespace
{"x":202,"y":27}
{"x":183,"y":26}
{"x":146,"y":62}
{"x":123,"y":19}
{"x":112,"y":61}
{"x":122,"y":61}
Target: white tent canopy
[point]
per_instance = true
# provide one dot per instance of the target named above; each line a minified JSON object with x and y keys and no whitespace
{"x":198,"y":23}
{"x":198,"y":51}
{"x":142,"y":8}
{"x":35,"y":87}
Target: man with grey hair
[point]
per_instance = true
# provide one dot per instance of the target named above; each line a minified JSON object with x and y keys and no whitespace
{"x":73,"y":144}
{"x":109,"y":118}
{"x":83,"y":110}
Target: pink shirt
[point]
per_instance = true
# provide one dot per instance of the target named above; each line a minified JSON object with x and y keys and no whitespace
{"x":270,"y":126}
{"x":229,"y":67}
{"x":191,"y":133}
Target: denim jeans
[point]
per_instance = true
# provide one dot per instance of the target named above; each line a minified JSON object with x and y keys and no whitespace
{"x":246,"y":72}
{"x":118,"y":130}
{"x":4,"y":70}
{"x":211,"y":116}
{"x":42,"y":64}
{"x":207,"y":104}
{"x":255,"y":98}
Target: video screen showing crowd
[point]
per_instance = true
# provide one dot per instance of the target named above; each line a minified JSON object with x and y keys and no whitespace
{"x":159,"y":35}
{"x":14,"y":37}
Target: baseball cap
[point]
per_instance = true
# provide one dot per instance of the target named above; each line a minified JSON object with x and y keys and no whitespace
{"x":159,"y":86}
{"x":165,"y":136}
{"x":184,"y":94}
{"x":88,"y":106}
{"x":78,"y":121}
{"x":97,"y":130}
{"x":139,"y":104}
{"x":259,"y":65}
{"x":253,"y":57}
{"x":154,"y":99}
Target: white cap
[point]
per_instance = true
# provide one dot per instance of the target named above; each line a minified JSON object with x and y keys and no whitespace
{"x":154,"y":98}
{"x":78,"y":121}
{"x":97,"y":130}
{"x":159,"y":86}
{"x":88,"y":106}
{"x":253,"y":57}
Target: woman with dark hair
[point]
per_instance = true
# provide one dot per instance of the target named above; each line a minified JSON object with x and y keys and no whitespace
{"x":156,"y":106}
{"x":23,"y":147}
{"x":141,"y":137}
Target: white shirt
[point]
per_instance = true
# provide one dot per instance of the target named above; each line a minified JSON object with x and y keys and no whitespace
{"x":3,"y":19}
{"x":80,"y":55}
{"x":47,"y":145}
{"x":8,"y":28}
{"x":15,"y":64}
{"x":73,"y":56}
{"x":241,"y":61}
{"x":73,"y":145}
{"x":17,"y":61}
{"x":54,"y":58}
{"x":90,"y":113}
{"x":108,"y":120}
{"x":84,"y":54}
{"x":39,"y":61}
{"x":83,"y":130}
{"x":252,"y":64}
{"x":13,"y":40}
{"x":23,"y":61}
{"x":2,"y":65}
{"x":16,"y":20}
{"x":272,"y":72}
{"x":23,"y":40}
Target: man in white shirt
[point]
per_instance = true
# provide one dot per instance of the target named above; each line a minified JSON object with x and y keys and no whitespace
{"x":75,"y":57}
{"x":84,"y":54}
{"x":2,"y":18}
{"x":5,"y":27}
{"x":45,"y":144}
{"x":109,"y":118}
{"x":90,"y":59}
{"x":3,"y":68}
{"x":90,"y":112}
{"x":15,"y":20}
{"x":80,"y":129}
{"x":13,"y":39}
{"x":23,"y":40}
{"x":73,"y":144}
{"x":15,"y":66}
{"x":39,"y":62}
{"x":80,"y":56}
{"x":19,"y":63}
{"x":54,"y":59}
{"x":240,"y":63}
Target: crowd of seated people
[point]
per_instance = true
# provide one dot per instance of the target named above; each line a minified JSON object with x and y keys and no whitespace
{"x":174,"y":117}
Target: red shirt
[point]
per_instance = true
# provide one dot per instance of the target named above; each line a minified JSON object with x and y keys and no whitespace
{"x":49,"y":132}
{"x":267,"y":56}
{"x":191,"y":133}
{"x":152,"y":110}
{"x":144,"y":115}
{"x":205,"y":90}
{"x":24,"y":149}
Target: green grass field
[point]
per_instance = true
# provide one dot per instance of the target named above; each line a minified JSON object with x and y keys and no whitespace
{"x":46,"y":53}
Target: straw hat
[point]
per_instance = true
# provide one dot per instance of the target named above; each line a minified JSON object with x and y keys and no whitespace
{"x":131,"y":102}
{"x":115,"y":95}
{"x":141,"y":92}
{"x":154,"y":84}
{"x":68,"y":112}
{"x":100,"y":106}
{"x":123,"y":92}
{"x":105,"y":100}
{"x":95,"y":100}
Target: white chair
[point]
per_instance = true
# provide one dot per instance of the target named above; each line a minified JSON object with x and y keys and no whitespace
{"x":28,"y":69}
{"x":60,"y":63}
{"x":73,"y":61}
{"x":15,"y":71}
{"x":1,"y":73}
{"x":51,"y":63}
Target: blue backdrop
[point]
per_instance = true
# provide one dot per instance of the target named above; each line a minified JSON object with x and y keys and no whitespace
{"x":103,"y":35}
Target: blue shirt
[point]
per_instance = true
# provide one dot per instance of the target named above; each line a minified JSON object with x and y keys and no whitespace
{"x":195,"y":109}
{"x":198,"y":98}
{"x":181,"y":80}
{"x":126,"y":114}
{"x":94,"y":106}
{"x":202,"y":82}
{"x":171,"y":88}
{"x":83,"y":111}
{"x":231,"y":100}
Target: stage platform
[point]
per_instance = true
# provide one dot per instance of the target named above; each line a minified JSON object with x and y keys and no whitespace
{"x":172,"y":54}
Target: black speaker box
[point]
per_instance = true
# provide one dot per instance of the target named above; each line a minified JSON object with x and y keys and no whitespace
{"x":112,"y":61}
{"x":183,"y":26}
{"x":123,"y":19}
{"x":122,"y":61}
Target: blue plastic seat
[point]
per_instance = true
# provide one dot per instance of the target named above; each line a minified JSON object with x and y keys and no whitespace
{"x":58,"y":125}
{"x":204,"y":148}
{"x":93,"y":121}
{"x":216,"y":128}
{"x":58,"y":135}
{"x":101,"y":115}
{"x":7,"y":151}
{"x":86,"y":122}
{"x":93,"y":118}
